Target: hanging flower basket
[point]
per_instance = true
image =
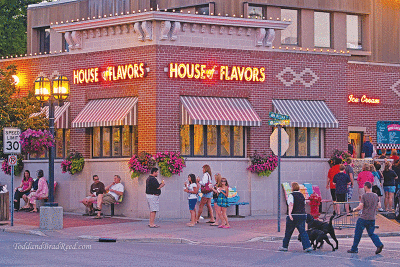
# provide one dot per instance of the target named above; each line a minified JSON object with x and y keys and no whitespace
{"x":17,"y":168}
{"x":263,"y":165}
{"x":170,"y":163}
{"x":73,"y":163}
{"x":36,"y":142}
{"x":141,"y":164}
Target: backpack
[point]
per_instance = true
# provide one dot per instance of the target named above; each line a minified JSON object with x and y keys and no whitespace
{"x":205,"y":189}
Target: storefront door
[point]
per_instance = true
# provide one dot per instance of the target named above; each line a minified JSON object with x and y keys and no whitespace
{"x":356,"y":139}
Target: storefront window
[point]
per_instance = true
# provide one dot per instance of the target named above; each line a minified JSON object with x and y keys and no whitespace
{"x":322,"y":29}
{"x":219,"y":141}
{"x":212,"y":140}
{"x":304,"y":142}
{"x":255,"y":12}
{"x":185,"y":140}
{"x":117,"y":141}
{"x":62,"y":143}
{"x":198,"y":140}
{"x":289,"y":35}
{"x":353,"y":28}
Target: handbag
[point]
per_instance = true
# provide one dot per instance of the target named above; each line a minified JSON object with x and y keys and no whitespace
{"x":205,"y":189}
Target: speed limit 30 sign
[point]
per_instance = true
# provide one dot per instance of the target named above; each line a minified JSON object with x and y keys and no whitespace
{"x":11,"y":139}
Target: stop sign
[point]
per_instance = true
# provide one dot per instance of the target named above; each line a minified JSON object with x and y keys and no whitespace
{"x":273,"y":141}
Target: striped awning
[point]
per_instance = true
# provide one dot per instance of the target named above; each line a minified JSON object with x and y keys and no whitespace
{"x":61,"y":115}
{"x":107,"y":112}
{"x":305,"y":113}
{"x":388,"y":146}
{"x":218,"y":111}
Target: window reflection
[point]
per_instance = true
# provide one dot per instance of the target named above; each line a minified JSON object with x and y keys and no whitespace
{"x":106,"y":142}
{"x":354,"y":31}
{"x":116,"y":137}
{"x":212,"y":140}
{"x":255,"y":12}
{"x":322,"y":29}
{"x":289,"y":35}
{"x":314,"y":142}
{"x":292,"y":142}
{"x":96,"y":142}
{"x":198,"y":140}
{"x":238,"y":142}
{"x":225,"y":140}
{"x":185,"y":139}
{"x":302,"y":142}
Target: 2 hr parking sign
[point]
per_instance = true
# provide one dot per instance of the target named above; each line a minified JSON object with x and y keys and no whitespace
{"x":11,"y":140}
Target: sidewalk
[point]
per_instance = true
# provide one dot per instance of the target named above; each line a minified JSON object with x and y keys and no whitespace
{"x":251,"y":228}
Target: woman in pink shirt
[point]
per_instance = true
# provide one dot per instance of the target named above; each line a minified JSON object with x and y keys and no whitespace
{"x":364,"y":176}
{"x":41,"y":193}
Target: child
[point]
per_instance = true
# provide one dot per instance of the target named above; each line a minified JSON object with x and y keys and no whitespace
{"x":222,"y":202}
{"x":192,"y":189}
{"x":341,"y":180}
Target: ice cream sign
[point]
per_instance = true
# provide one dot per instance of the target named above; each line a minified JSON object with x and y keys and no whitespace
{"x":210,"y":72}
{"x":109,"y":74}
{"x":364,"y":100}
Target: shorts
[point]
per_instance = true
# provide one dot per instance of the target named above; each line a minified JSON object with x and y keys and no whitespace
{"x":390,"y":189}
{"x":154,"y":202}
{"x":341,"y":197}
{"x":208,"y":195}
{"x":108,"y":199}
{"x":192,"y":203}
{"x":91,"y":199}
{"x":333,"y":194}
{"x":361,"y":191}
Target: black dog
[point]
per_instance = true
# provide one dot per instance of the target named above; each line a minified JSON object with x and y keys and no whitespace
{"x":327,"y":228}
{"x":317,"y":237}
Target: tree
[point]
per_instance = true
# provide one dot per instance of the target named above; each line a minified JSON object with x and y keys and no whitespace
{"x":13,"y":23}
{"x":16,"y":108}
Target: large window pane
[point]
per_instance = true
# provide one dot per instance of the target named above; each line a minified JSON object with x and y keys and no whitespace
{"x":322,"y":29}
{"x":238,"y":142}
{"x":106,"y":142}
{"x":314,"y":142}
{"x":67,"y":141}
{"x":255,"y":12}
{"x":225,"y":141}
{"x":353,"y":27}
{"x":135,"y":139}
{"x":289,"y":35}
{"x":116,"y":137}
{"x":185,"y":139}
{"x":302,"y":142}
{"x":198,"y":140}
{"x":96,"y":142}
{"x":126,"y":141}
{"x":211,"y":140}
{"x":291,"y":152}
{"x":59,"y":143}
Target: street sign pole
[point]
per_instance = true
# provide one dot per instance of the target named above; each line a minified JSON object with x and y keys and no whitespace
{"x":12,"y":195}
{"x":279,"y":177}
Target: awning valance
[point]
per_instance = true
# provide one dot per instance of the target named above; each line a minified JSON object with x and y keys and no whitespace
{"x":306,"y":113}
{"x":61,"y":115}
{"x":388,"y":146}
{"x":218,"y":111}
{"x":107,"y":112}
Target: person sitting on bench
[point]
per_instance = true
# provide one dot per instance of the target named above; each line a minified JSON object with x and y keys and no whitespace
{"x":41,"y":193}
{"x":96,"y":189}
{"x":116,"y":190}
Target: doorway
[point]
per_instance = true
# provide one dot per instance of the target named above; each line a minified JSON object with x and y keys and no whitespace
{"x":356,"y":139}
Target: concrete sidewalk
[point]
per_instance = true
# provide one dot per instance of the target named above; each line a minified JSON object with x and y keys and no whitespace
{"x":249,"y":229}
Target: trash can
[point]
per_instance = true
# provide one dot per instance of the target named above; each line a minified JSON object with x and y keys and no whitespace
{"x":4,"y":206}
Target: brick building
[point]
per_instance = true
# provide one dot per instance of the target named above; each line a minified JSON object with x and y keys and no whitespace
{"x":201,"y":79}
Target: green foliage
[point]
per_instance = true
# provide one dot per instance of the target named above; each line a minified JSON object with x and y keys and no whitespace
{"x":73,"y":163}
{"x":13,"y":26}
{"x":15,"y":108}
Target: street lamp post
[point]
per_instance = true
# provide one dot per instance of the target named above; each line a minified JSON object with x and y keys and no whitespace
{"x":52,"y":95}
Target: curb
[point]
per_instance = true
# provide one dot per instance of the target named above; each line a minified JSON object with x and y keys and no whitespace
{"x":143,"y":240}
{"x":25,"y":232}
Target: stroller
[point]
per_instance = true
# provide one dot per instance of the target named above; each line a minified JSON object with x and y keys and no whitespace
{"x":397,"y":205}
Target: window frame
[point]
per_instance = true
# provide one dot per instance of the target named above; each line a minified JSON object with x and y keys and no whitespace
{"x":132,"y":143}
{"x":205,"y":147}
{"x":296,"y":150}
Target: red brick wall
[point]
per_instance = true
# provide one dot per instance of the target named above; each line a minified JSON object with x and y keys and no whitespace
{"x":159,"y":95}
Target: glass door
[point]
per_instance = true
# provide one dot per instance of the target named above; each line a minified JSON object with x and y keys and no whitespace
{"x":356,"y":139}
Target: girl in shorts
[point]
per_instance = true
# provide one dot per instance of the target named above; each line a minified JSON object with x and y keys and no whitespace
{"x":192,"y":188}
{"x":222,"y":202}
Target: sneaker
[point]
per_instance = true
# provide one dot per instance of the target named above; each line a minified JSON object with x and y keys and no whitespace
{"x":379,"y":249}
{"x":381,"y":210}
{"x":308,"y":249}
{"x":351,"y":251}
{"x":282,"y":249}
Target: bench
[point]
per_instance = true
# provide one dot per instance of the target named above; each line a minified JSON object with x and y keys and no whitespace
{"x":112,"y":206}
{"x":233,"y":200}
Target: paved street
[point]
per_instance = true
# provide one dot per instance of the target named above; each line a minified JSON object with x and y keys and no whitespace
{"x":58,"y":251}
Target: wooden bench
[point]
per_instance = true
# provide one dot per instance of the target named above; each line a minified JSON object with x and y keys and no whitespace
{"x":112,"y":206}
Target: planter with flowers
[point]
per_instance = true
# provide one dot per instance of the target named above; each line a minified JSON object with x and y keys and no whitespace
{"x":141,"y":164}
{"x":73,"y":163}
{"x":17,"y":168}
{"x":339,"y":157}
{"x":36,"y":142}
{"x":170,"y":163}
{"x":263,"y":165}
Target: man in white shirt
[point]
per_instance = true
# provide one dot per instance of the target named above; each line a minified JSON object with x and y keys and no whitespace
{"x":115,"y":191}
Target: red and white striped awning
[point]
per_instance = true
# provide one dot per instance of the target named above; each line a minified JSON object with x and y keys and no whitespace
{"x":218,"y":111}
{"x":107,"y":112}
{"x":61,"y":115}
